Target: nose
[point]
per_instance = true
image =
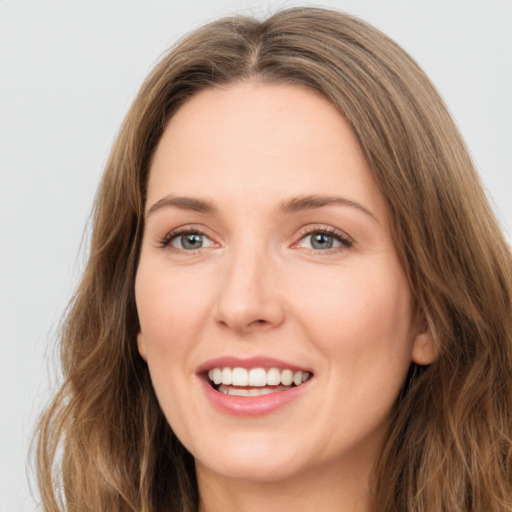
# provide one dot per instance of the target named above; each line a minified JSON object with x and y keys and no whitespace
{"x":249,"y":297}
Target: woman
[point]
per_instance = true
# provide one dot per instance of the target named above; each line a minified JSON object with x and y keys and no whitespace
{"x":297,"y":295}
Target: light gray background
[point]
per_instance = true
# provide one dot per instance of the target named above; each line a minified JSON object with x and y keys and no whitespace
{"x":68,"y":72}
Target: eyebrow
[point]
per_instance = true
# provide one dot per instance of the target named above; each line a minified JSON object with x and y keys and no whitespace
{"x":183,"y":203}
{"x":312,"y":202}
{"x":295,"y":204}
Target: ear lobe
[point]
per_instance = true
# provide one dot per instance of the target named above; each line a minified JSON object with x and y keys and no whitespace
{"x":141,"y":345}
{"x":424,"y":351}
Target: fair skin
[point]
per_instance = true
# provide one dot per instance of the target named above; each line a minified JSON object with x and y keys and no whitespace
{"x":284,"y":257}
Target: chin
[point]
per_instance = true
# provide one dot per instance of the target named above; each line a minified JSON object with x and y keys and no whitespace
{"x":258,"y":462}
{"x":255,"y":471}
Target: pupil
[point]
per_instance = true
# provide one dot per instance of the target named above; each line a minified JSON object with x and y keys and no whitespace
{"x":191,"y":241}
{"x":321,"y":241}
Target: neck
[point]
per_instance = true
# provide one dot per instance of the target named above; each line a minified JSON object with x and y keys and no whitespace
{"x":326,"y":489}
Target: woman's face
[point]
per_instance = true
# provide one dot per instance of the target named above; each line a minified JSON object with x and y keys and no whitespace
{"x":267,"y":248}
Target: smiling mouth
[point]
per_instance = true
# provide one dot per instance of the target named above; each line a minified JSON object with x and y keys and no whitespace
{"x":255,"y":381}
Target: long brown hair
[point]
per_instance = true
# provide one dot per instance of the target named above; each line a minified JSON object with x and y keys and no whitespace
{"x":104,"y":444}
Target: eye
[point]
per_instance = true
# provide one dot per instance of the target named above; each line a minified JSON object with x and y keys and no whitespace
{"x":186,"y":240}
{"x":323,"y":240}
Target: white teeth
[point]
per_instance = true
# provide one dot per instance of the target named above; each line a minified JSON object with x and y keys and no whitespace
{"x":286,"y":377}
{"x":266,"y":391}
{"x":234,"y":391}
{"x":297,"y":378}
{"x":257,"y":377}
{"x":226,"y":376}
{"x":239,"y":377}
{"x":217,"y":376}
{"x":273,"y":377}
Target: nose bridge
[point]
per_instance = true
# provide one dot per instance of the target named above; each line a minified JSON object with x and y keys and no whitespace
{"x":248,"y":297}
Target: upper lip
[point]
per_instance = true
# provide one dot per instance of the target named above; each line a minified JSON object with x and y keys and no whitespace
{"x":250,"y":362}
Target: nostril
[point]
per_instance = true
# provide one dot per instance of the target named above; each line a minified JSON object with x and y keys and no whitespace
{"x":259,"y":321}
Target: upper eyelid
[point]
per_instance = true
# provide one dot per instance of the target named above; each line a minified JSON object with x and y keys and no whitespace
{"x":323,"y":228}
{"x":346,"y":241}
{"x":300,"y":233}
{"x":181,"y":230}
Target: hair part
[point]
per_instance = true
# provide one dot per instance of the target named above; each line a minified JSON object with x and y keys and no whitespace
{"x":450,"y":443}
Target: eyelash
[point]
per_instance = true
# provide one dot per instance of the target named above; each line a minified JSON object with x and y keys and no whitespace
{"x":345,"y":241}
{"x":175,"y":233}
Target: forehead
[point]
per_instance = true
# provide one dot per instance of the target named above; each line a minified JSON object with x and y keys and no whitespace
{"x":270,"y":139}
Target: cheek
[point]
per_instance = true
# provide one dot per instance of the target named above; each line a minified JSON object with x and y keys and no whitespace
{"x":362,"y":320}
{"x":170,"y":314}
{"x":170,"y":309}
{"x":362,"y":326}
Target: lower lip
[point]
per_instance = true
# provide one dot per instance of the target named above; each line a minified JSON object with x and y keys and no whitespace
{"x":252,"y":405}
